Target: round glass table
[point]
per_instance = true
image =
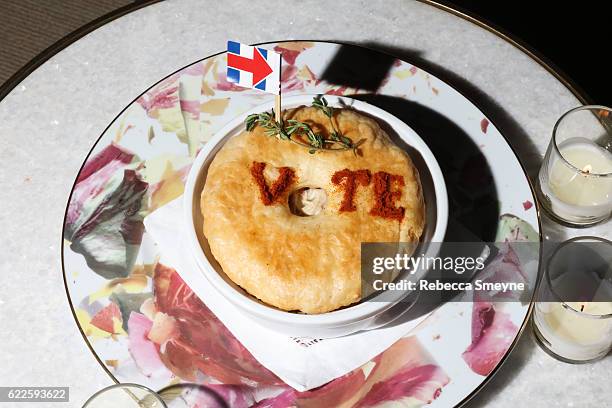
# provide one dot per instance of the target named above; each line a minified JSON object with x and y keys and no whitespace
{"x":52,"y":113}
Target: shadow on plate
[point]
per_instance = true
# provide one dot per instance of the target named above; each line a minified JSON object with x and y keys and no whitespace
{"x":473,"y":201}
{"x":504,"y":122}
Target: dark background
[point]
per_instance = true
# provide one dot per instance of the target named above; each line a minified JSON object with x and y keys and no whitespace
{"x":573,"y":36}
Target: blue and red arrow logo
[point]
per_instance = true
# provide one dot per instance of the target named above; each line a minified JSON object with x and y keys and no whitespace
{"x":253,"y":67}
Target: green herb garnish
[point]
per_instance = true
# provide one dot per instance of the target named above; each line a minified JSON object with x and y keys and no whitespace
{"x":301,"y":133}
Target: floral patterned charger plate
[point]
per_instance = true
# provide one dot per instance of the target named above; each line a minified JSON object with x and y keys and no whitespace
{"x":146,"y":326}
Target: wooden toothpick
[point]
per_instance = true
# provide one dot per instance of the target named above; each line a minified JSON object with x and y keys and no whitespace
{"x":277,"y":100}
{"x":277,"y":108}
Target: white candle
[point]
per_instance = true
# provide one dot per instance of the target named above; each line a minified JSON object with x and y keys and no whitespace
{"x":124,"y":396}
{"x":114,"y":399}
{"x":576,"y":333}
{"x":575,"y":193}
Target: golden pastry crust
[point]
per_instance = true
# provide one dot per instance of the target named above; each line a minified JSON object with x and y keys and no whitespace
{"x":308,"y":264}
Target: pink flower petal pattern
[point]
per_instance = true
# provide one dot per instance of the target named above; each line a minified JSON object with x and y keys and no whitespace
{"x":222,"y":84}
{"x":104,"y":319}
{"x":104,"y":211}
{"x":423,"y":383}
{"x":292,"y":50}
{"x":144,"y":352}
{"x":288,"y":55}
{"x":284,"y":399}
{"x":404,"y":371}
{"x":289,"y":79}
{"x":340,"y":91}
{"x":110,"y":154}
{"x":223,"y":396}
{"x":341,"y":391}
{"x":162,"y":96}
{"x":93,"y":178}
{"x":192,"y":107}
{"x":203,"y":343}
{"x":492,"y":335}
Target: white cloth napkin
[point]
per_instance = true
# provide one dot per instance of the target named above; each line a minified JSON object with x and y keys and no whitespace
{"x":300,"y":363}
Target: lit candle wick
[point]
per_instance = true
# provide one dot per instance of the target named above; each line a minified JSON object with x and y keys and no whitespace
{"x":587,"y":169}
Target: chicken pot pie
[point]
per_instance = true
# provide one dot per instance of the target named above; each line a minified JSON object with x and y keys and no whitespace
{"x":287,"y":225}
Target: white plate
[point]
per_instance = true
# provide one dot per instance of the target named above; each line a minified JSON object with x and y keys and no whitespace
{"x":484,"y":181}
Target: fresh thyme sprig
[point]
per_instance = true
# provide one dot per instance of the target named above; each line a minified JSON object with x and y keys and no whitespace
{"x":266,"y":119}
{"x":313,"y":141}
{"x":320,"y":103}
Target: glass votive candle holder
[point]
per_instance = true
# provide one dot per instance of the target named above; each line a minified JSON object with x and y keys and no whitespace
{"x":575,"y":180}
{"x":125,"y":395}
{"x":572,"y":318}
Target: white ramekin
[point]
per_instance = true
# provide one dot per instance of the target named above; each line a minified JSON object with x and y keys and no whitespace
{"x":362,"y":316}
